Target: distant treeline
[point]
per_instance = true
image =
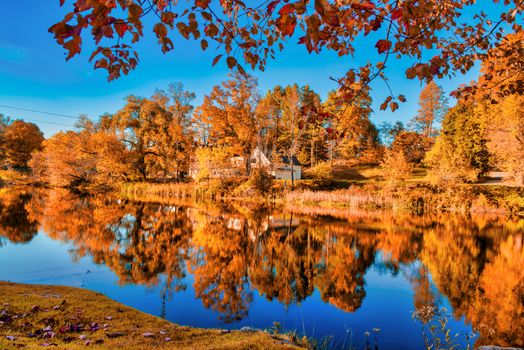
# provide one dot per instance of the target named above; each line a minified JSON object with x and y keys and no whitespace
{"x":162,"y":137}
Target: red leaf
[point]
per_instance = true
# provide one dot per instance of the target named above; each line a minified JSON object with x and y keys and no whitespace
{"x":271,"y":6}
{"x":203,"y":44}
{"x":121,"y":28}
{"x":396,"y":14}
{"x":202,"y":3}
{"x":393,"y":106}
{"x":216,"y":59}
{"x":160,"y":30}
{"x":231,"y":62}
{"x":383,"y":45}
{"x":101,"y":63}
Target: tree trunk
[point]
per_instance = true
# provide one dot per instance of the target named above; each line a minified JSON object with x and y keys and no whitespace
{"x":312,"y":156}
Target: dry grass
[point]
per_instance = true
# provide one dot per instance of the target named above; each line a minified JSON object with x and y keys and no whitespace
{"x":51,"y":316}
{"x":353,"y":197}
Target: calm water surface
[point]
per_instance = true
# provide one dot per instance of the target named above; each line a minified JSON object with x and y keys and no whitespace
{"x":324,"y":276}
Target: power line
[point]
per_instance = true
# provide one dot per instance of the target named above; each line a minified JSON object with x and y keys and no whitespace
{"x":52,"y":123}
{"x":43,"y":112}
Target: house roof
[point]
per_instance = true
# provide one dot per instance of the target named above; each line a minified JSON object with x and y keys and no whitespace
{"x":286,"y":160}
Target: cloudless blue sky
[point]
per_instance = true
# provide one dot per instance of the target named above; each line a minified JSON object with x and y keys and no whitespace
{"x":35,"y":75}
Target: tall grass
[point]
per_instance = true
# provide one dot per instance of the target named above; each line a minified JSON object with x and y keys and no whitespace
{"x":354,"y":197}
{"x":419,"y":198}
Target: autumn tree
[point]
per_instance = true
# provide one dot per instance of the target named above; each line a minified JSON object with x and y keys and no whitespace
{"x":229,"y":114}
{"x":20,"y":140}
{"x":87,"y":158}
{"x":460,"y":153}
{"x":174,"y":141}
{"x":412,"y":145}
{"x":157,"y":131}
{"x":432,"y":108}
{"x":4,"y":123}
{"x":313,"y":148}
{"x":436,"y":39}
{"x":502,"y":71}
{"x":299,"y":107}
{"x":356,"y":136}
{"x":395,"y":168}
{"x":504,"y":124}
{"x":499,"y":104}
{"x":300,"y":123}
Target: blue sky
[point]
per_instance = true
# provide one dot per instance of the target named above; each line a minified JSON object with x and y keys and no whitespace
{"x":35,"y":75}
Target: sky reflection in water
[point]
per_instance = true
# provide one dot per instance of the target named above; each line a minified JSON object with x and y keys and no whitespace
{"x":211,"y":266}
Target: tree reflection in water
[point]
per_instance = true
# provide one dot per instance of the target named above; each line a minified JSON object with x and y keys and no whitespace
{"x":476,"y":264}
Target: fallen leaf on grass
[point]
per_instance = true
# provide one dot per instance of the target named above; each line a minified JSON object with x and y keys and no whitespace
{"x":115,"y":335}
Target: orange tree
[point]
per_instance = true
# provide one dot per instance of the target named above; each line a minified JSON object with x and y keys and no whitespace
{"x":438,"y":38}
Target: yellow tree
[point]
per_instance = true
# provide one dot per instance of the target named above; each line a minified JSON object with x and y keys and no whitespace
{"x":229,"y":114}
{"x":355,"y":135}
{"x":432,"y":108}
{"x":20,"y":140}
{"x":4,"y":122}
{"x":82,"y":159}
{"x":505,"y":134}
{"x":173,"y":140}
{"x":156,"y":131}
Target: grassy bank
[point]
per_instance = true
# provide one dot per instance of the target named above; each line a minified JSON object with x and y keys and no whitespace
{"x":417,"y":198}
{"x":32,"y":317}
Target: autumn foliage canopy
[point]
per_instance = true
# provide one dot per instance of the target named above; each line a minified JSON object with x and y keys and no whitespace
{"x":438,"y":38}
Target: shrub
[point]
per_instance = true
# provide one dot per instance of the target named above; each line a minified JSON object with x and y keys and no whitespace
{"x":321,"y":174}
{"x":395,"y":168}
{"x":260,"y":181}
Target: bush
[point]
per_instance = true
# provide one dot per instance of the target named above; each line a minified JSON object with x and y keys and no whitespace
{"x":261,"y":181}
{"x":321,"y":174}
{"x":395,"y":168}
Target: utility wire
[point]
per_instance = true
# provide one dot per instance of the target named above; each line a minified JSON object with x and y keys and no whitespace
{"x":36,"y":111}
{"x":52,"y":123}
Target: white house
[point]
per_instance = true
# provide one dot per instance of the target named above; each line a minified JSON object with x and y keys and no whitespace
{"x":280,"y":168}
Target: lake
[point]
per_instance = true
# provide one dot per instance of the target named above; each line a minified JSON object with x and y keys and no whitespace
{"x":345,"y":277}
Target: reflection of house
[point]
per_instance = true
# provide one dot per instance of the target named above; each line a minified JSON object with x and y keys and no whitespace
{"x":281,"y":166}
{"x":241,"y":224}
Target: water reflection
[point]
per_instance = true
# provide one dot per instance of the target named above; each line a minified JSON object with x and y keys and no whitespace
{"x":232,"y":253}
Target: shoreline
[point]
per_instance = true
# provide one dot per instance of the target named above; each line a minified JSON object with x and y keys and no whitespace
{"x":415,"y":198}
{"x":60,"y":317}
